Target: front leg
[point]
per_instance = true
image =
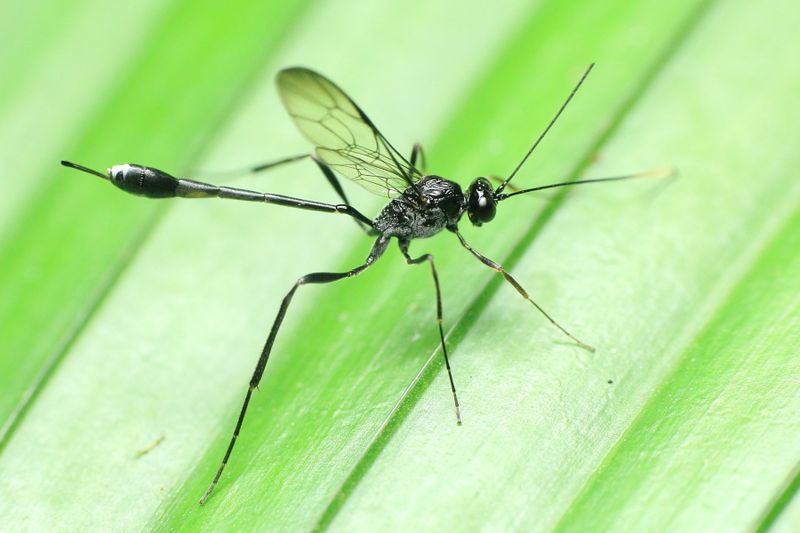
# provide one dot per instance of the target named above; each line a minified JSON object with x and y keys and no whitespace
{"x":514,"y":283}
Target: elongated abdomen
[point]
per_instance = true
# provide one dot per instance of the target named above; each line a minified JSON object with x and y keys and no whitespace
{"x":143,"y":181}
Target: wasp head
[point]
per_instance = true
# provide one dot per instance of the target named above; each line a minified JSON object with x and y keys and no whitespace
{"x":481,"y":204}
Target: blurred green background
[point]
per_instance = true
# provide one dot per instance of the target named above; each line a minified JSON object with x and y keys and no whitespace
{"x":129,"y":328}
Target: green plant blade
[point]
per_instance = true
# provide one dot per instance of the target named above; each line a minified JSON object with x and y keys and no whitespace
{"x":736,"y":394}
{"x":66,"y":448}
{"x":352,"y":380}
{"x":42,"y":61}
{"x":678,"y":440}
{"x":59,"y":257}
{"x":353,"y":425}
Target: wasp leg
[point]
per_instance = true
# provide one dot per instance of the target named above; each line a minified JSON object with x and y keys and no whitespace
{"x":418,"y":153}
{"x":429,"y":259}
{"x":514,"y":283}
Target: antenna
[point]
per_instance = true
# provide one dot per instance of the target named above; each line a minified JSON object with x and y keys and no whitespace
{"x":663,"y":172}
{"x":535,"y":144}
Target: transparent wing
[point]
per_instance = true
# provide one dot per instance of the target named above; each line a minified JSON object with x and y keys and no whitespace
{"x":345,"y":138}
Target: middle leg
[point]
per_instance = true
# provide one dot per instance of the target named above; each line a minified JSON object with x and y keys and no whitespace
{"x":429,"y":259}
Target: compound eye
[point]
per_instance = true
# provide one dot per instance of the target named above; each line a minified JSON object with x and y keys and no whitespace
{"x":486,"y":209}
{"x":482,"y":206}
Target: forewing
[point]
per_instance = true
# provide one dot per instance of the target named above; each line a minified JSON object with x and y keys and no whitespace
{"x":345,"y":138}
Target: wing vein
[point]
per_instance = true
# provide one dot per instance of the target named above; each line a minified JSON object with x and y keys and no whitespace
{"x":345,"y":139}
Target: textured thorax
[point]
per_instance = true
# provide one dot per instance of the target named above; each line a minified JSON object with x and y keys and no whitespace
{"x":406,"y":217}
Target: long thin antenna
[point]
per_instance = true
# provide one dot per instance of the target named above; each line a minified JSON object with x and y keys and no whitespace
{"x":563,"y":106}
{"x":84,"y":169}
{"x":655,"y":173}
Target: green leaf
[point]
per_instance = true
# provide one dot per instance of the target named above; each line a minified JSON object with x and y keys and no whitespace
{"x":684,"y":418}
{"x":60,"y":257}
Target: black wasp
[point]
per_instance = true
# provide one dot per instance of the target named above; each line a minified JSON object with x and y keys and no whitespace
{"x":348,"y":143}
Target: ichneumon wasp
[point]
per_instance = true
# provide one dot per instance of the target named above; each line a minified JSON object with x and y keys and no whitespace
{"x":347,"y":143}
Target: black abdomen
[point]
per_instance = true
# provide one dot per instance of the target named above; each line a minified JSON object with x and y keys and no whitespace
{"x":143,"y":181}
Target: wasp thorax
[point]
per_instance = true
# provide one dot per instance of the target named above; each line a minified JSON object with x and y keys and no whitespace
{"x":444,"y":194}
{"x":481,"y":205}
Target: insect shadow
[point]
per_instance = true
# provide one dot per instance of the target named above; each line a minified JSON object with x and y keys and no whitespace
{"x":347,"y":143}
